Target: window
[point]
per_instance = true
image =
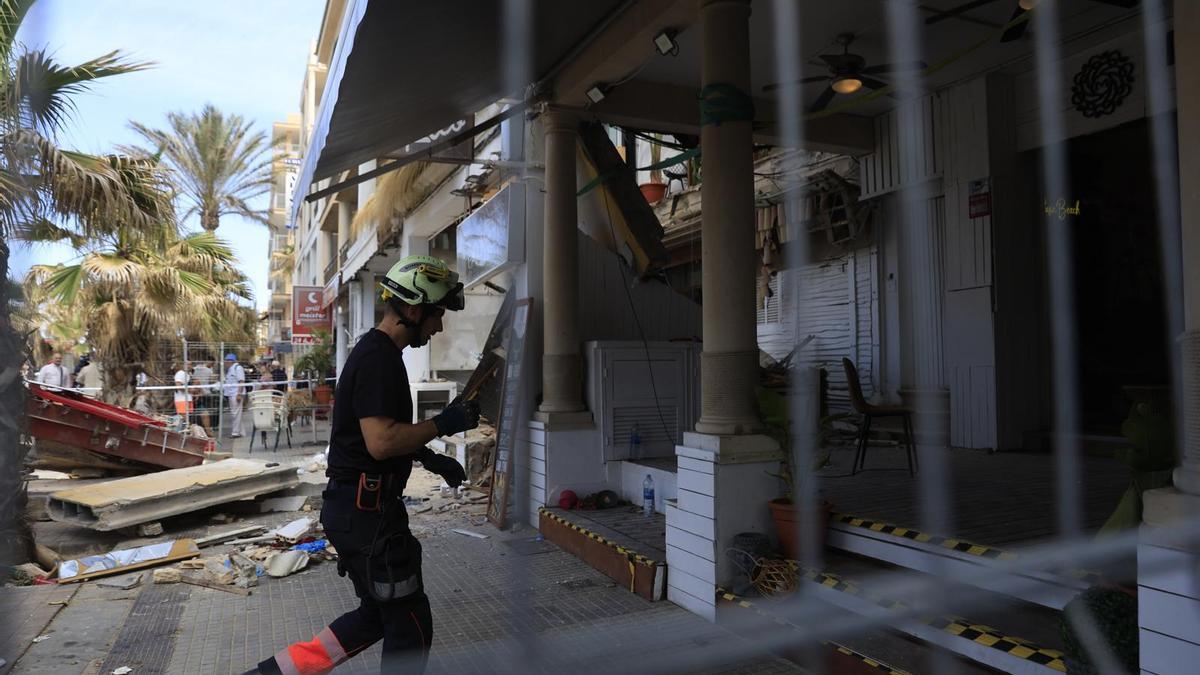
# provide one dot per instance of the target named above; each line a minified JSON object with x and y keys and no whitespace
{"x":768,"y":312}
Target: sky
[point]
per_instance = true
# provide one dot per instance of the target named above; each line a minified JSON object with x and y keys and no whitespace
{"x":244,"y":57}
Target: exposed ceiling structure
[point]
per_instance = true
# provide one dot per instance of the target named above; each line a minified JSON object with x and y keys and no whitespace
{"x":822,"y":23}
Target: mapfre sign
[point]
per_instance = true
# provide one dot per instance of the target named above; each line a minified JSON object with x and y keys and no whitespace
{"x":309,"y":314}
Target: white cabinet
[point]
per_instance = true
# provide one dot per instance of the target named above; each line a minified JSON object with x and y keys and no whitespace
{"x":429,"y":398}
{"x":652,"y":387}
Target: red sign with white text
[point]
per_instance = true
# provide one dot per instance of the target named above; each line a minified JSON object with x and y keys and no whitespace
{"x":309,"y":313}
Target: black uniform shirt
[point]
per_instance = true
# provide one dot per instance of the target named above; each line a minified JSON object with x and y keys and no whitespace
{"x":373,"y":383}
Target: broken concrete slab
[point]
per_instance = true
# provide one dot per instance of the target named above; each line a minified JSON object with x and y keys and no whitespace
{"x":130,"y":501}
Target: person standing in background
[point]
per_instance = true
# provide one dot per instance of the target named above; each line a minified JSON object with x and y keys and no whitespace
{"x":279,"y":376}
{"x":235,"y":377}
{"x":91,"y":379}
{"x":183,"y":395}
{"x":53,"y":374}
{"x":202,"y":377}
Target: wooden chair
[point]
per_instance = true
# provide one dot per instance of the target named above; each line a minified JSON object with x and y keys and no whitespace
{"x":870,"y":412}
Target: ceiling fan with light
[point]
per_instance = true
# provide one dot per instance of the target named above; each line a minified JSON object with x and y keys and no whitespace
{"x":1022,"y":6}
{"x":848,"y":73}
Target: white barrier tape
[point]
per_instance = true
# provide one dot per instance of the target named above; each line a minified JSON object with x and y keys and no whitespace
{"x":193,"y":388}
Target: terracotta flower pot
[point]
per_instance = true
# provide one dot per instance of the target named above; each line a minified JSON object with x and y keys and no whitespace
{"x":323,"y":395}
{"x":788,"y":517}
{"x":653,"y":191}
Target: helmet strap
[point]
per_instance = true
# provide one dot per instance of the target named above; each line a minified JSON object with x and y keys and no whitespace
{"x":414,"y":328}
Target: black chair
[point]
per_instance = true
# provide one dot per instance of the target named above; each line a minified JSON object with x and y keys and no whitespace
{"x":869,"y":412}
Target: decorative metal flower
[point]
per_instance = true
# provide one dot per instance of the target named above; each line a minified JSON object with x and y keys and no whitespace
{"x":1102,"y":84}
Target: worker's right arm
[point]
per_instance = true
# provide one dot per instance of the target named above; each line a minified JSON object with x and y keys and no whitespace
{"x":387,"y":437}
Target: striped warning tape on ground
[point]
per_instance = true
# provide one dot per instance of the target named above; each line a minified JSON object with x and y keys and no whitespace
{"x":955,"y":625}
{"x":633,"y":556}
{"x":725,"y":595}
{"x":951,"y":543}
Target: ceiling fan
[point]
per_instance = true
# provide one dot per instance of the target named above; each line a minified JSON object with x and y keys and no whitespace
{"x":847,"y":73}
{"x":1022,"y":6}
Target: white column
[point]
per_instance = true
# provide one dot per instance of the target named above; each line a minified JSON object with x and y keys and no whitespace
{"x":729,"y":362}
{"x":1168,"y":596}
{"x":1169,"y":504}
{"x":923,"y":296}
{"x":341,"y":335}
{"x":562,"y":382}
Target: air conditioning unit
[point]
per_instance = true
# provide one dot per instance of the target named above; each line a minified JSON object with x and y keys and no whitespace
{"x":651,"y":387}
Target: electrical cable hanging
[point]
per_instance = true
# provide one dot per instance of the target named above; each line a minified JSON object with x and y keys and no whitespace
{"x":637,"y":322}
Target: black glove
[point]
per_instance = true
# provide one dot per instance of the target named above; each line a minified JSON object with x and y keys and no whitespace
{"x":459,"y":416}
{"x":443,"y":465}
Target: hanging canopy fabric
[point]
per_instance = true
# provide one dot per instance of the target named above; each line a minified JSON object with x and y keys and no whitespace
{"x":403,"y":70}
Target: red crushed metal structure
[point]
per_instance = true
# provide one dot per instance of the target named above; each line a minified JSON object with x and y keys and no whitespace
{"x":74,"y":421}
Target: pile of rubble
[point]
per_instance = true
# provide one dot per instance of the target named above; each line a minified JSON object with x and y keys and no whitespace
{"x":251,"y":553}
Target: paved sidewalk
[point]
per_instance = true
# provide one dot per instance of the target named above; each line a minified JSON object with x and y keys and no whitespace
{"x":470,"y":589}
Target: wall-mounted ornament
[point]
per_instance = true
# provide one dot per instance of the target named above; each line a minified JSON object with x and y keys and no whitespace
{"x":1102,"y":84}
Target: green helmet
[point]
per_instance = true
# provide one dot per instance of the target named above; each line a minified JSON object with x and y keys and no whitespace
{"x":423,"y":280}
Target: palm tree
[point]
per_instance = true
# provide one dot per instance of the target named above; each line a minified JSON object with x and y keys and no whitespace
{"x":220,"y":162}
{"x":134,"y":288}
{"x":52,"y":194}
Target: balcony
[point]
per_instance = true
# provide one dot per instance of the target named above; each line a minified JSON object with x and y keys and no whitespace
{"x":331,"y":270}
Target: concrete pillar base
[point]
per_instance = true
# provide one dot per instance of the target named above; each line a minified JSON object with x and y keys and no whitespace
{"x":728,"y":404}
{"x":560,"y":420}
{"x":718,"y":499}
{"x":1163,"y":507}
{"x":561,"y":378}
{"x":931,"y":415}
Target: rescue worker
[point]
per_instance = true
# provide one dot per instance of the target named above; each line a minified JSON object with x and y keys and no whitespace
{"x":373,"y":443}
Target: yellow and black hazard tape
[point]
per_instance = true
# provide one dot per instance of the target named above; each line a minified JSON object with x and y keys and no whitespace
{"x":723,"y":594}
{"x":633,"y":556}
{"x":955,"y":625}
{"x":951,"y":543}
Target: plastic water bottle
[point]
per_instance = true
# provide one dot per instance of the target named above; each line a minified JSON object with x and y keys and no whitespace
{"x":635,"y":443}
{"x":648,"y":496}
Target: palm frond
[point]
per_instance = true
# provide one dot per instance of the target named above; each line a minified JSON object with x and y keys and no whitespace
{"x":62,"y":283}
{"x":41,"y":89}
{"x":12,"y":14}
{"x":111,"y":268}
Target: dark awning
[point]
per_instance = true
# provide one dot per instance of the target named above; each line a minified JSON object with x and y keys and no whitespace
{"x":404,"y":69}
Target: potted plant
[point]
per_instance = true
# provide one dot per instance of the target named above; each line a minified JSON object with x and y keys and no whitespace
{"x":788,"y":516}
{"x":1150,"y":431}
{"x":654,"y":189}
{"x":318,"y":362}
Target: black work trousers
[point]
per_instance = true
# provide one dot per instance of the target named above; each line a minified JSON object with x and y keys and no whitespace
{"x":383,"y":560}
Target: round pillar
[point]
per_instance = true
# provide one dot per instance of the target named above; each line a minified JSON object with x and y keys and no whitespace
{"x":561,"y":372}
{"x":729,"y":362}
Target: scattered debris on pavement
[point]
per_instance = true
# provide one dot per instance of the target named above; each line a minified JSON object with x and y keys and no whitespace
{"x":126,"y":560}
{"x":229,"y":535}
{"x":468,"y":533}
{"x":41,"y":638}
{"x":295,"y":531}
{"x":285,"y":563}
{"x":124,"y":583}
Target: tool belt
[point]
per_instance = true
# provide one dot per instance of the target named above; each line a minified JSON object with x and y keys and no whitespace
{"x":370,"y":492}
{"x":365,"y":519}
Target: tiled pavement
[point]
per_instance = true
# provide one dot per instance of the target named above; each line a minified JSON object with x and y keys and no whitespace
{"x":572,"y":609}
